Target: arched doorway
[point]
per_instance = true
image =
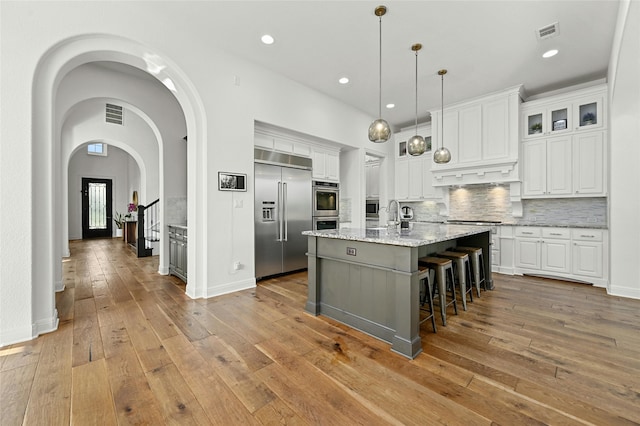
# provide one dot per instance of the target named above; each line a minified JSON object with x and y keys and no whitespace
{"x":48,"y":206}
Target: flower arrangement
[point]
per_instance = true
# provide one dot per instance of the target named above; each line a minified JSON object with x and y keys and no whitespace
{"x":132,"y":208}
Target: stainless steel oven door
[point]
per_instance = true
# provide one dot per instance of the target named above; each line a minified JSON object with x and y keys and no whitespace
{"x":320,"y":223}
{"x":325,"y":200}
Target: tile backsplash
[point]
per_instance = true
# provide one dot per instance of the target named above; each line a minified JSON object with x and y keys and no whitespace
{"x":492,"y":202}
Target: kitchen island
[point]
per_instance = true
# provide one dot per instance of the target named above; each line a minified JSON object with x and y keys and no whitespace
{"x":368,"y":278}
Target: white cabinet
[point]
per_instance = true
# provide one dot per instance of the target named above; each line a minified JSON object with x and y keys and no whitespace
{"x":527,"y":248}
{"x":402,"y":179}
{"x":547,"y":167}
{"x":565,"y":166}
{"x":570,"y":112}
{"x":482,"y":136}
{"x":326,"y":164}
{"x":543,"y":249}
{"x":556,"y":250}
{"x":413,"y":179}
{"x":372,"y":176}
{"x":588,"y":163}
{"x":587,"y":256}
{"x":568,"y":253}
{"x":564,"y":145}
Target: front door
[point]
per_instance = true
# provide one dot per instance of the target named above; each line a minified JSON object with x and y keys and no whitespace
{"x":97,"y":218}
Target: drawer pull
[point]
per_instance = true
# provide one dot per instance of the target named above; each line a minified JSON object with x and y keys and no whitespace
{"x":555,"y":233}
{"x":528,"y":233}
{"x":588,"y":236}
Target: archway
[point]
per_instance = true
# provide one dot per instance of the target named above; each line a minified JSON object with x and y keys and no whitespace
{"x":47,"y":207}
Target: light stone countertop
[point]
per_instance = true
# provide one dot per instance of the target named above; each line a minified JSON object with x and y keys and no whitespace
{"x":421,"y":234}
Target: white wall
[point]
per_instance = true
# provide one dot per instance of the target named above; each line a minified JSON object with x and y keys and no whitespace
{"x":114,"y":167}
{"x":624,"y":202}
{"x":206,"y":88}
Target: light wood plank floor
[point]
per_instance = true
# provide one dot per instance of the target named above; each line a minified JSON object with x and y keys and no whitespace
{"x":133,"y":349}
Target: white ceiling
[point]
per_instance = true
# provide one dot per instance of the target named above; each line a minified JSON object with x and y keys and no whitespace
{"x":486,"y":45}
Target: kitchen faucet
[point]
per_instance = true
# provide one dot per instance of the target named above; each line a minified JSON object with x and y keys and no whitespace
{"x":396,"y":218}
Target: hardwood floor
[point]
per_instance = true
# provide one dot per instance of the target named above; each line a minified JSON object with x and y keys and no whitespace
{"x":132,"y":348}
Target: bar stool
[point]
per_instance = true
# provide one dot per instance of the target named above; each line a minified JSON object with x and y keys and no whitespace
{"x":461,"y":270}
{"x":477,"y":264}
{"x":444,"y":273}
{"x":426,"y":295}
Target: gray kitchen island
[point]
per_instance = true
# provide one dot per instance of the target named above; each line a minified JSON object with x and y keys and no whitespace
{"x":368,"y":278}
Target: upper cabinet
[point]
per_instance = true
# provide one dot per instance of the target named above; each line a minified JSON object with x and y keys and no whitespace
{"x":573,"y":112}
{"x":564,"y":145}
{"x":326,"y":164}
{"x":482,"y":136}
{"x":413,"y":181}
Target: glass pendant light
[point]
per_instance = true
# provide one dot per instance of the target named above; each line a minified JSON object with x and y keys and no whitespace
{"x":379,"y":130}
{"x":416,"y":144}
{"x":442,"y":154}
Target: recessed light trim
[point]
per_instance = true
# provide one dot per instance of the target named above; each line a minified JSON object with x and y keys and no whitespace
{"x":343,"y":80}
{"x":550,"y":53}
{"x":390,"y":106}
{"x":267,"y":39}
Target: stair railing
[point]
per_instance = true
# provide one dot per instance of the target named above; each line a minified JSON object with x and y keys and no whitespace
{"x":148,"y":227}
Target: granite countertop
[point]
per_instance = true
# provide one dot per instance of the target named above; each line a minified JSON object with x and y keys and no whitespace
{"x":542,"y":225}
{"x":421,"y":234}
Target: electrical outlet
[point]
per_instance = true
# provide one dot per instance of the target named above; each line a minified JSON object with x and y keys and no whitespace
{"x":351,"y":251}
{"x":236,"y":265}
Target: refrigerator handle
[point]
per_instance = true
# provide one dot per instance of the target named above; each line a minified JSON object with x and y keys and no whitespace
{"x":285,"y":211}
{"x":279,"y":213}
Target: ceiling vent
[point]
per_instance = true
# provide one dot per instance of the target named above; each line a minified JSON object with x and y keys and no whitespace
{"x":548,"y":31}
{"x":114,"y":114}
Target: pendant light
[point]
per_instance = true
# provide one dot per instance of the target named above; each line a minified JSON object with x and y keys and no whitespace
{"x":416,"y":144}
{"x":379,"y":130}
{"x":442,"y":154}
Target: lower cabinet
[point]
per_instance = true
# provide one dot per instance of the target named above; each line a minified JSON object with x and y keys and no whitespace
{"x":178,"y":252}
{"x":569,"y":253}
{"x":588,"y":252}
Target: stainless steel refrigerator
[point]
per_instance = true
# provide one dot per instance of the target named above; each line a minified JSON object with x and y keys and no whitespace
{"x":282,"y":211}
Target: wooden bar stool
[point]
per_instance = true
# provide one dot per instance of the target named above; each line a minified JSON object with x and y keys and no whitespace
{"x":426,"y":295}
{"x":477,"y":265}
{"x":444,"y":273}
{"x":461,"y":270}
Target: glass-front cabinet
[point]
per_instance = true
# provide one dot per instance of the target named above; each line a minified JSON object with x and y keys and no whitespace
{"x":568,"y":115}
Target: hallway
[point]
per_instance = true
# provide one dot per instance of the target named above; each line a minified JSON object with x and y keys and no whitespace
{"x":132,"y":348}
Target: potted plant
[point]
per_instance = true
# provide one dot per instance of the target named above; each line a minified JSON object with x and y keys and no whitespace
{"x":119,"y":220}
{"x":588,"y":118}
{"x":535,"y":128}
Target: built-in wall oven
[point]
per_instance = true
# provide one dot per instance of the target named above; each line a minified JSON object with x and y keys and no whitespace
{"x":326,"y":197}
{"x":320,"y":223}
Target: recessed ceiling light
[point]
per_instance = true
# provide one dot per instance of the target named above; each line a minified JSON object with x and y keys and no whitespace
{"x":389,"y":106}
{"x":550,"y":53}
{"x":343,"y":80}
{"x":267,"y":39}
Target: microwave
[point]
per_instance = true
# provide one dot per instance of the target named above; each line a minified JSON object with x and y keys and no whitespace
{"x":372,"y":208}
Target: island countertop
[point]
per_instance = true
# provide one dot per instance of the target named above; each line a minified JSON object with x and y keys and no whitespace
{"x":421,"y":234}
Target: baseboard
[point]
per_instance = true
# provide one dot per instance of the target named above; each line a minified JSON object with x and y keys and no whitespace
{"x":59,"y":286}
{"x":633,"y":293}
{"x":45,"y":325}
{"x":218,"y":290}
{"x":163,"y":270}
{"x":17,"y":335}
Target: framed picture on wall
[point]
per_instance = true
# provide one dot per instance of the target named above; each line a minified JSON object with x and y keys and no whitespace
{"x":232,"y":181}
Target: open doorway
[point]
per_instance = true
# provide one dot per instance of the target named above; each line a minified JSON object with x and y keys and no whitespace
{"x":96,"y":208}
